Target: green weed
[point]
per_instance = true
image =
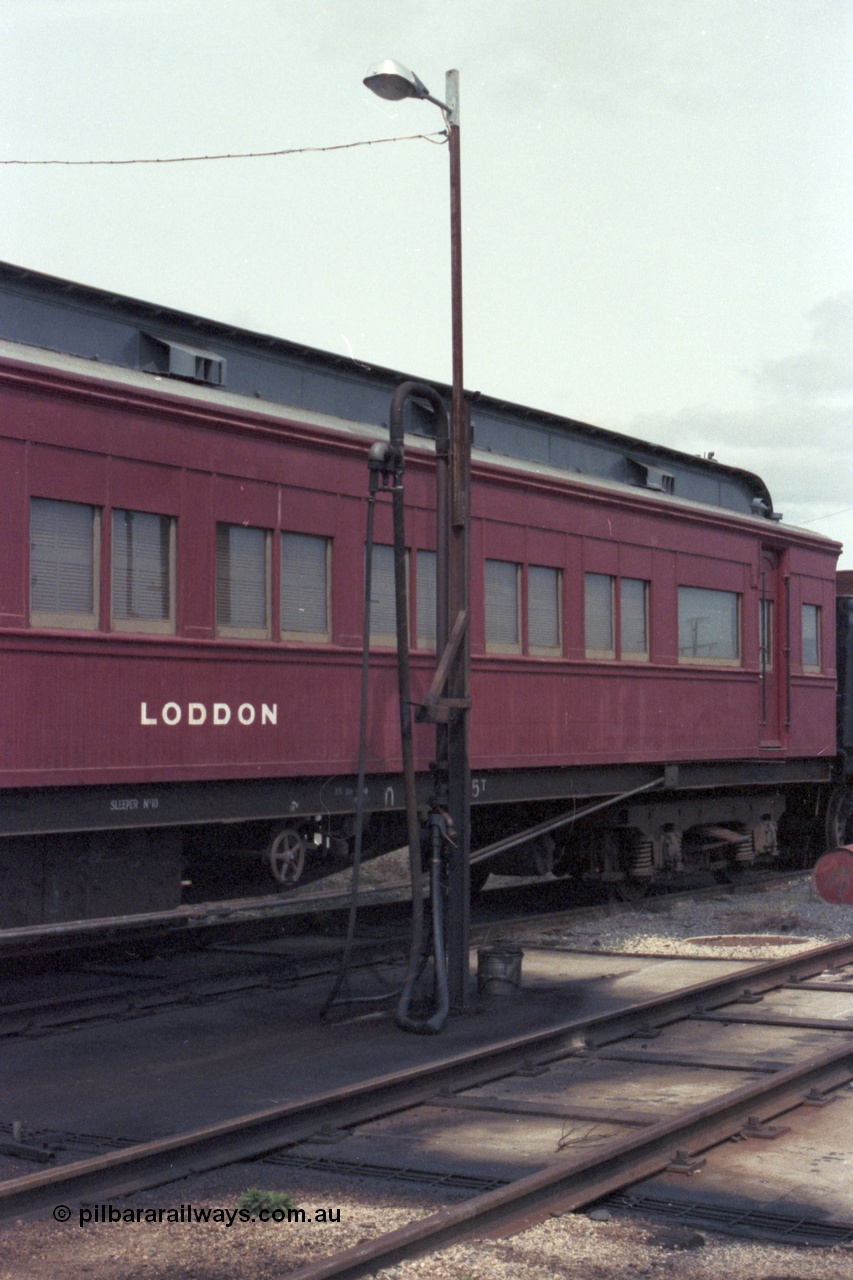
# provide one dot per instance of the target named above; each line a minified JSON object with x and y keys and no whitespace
{"x":255,"y":1200}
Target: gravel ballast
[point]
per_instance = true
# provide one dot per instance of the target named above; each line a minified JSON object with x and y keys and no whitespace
{"x":750,"y":924}
{"x":576,"y":1245}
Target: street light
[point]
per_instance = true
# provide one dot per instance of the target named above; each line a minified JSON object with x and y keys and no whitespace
{"x":392,"y":81}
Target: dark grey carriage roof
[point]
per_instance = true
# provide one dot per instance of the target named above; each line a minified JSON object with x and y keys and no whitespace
{"x":79,"y":320}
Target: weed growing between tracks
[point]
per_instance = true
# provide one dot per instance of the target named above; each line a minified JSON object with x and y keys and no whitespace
{"x":256,"y":1201}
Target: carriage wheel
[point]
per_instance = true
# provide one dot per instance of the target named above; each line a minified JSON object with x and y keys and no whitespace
{"x":839,"y":817}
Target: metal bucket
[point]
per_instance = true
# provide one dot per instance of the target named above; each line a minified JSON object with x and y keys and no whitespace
{"x":498,"y":970}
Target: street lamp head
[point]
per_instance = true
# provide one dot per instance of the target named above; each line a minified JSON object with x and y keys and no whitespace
{"x":393,"y":81}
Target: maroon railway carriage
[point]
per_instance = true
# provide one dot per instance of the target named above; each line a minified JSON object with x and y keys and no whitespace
{"x":180,"y":637}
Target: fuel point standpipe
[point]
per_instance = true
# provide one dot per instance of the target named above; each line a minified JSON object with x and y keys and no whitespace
{"x":386,"y":464}
{"x":435,"y":1023}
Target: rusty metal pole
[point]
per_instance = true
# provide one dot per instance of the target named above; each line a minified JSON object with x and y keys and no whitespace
{"x":393,"y":81}
{"x":459,"y":682}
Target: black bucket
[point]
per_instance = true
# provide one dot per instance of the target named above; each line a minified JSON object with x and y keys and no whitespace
{"x":499,"y":970}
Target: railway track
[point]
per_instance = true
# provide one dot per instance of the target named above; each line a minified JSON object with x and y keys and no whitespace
{"x":585,"y":1097}
{"x":269,"y":912}
{"x":122,"y":996}
{"x":194,"y":919}
{"x":110,"y":990}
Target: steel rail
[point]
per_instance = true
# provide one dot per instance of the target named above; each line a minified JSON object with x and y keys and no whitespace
{"x":191,"y":919}
{"x":34,"y":1017}
{"x":40,"y":939}
{"x":149,"y":1164}
{"x":147,"y":997}
{"x":569,"y":1185}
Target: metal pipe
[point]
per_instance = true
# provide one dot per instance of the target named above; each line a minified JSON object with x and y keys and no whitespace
{"x":398,"y":401}
{"x":393,"y":81}
{"x":787,"y":651}
{"x":406,"y":743}
{"x":439,"y":1018}
{"x":442,"y":535}
{"x":764,"y":630}
{"x":442,"y":490}
{"x":459,"y":768}
{"x":564,"y":820}
{"x":435,"y":1023}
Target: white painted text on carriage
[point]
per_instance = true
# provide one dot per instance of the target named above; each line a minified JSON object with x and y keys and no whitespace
{"x":215,"y":713}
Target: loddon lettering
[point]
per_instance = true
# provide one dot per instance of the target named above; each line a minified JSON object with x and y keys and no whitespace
{"x":217,"y":714}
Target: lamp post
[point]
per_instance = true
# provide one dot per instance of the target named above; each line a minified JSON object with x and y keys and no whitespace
{"x":392,"y":81}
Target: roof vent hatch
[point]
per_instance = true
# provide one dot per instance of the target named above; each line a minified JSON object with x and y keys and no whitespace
{"x":654,"y":477}
{"x":177,"y":360}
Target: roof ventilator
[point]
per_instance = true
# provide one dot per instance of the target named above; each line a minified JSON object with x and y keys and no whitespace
{"x":654,"y":477}
{"x":177,"y":360}
{"x":762,"y":508}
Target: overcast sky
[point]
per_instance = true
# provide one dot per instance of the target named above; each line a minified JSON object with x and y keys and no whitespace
{"x":657,"y":199}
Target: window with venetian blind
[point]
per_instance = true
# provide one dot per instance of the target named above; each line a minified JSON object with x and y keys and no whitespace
{"x":305,"y":587}
{"x":64,"y":564}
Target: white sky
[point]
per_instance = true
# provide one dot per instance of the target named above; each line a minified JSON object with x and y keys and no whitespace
{"x":657,"y":199}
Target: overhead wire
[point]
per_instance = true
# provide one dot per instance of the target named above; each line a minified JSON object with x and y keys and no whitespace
{"x":243,"y":155}
{"x":829,"y":515}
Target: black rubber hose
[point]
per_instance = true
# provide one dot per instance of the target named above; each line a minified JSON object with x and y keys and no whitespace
{"x":378,"y":459}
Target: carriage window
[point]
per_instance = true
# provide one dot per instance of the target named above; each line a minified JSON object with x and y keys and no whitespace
{"x":305,"y":587}
{"x":598,"y":615}
{"x":383,"y":609}
{"x":634,"y":619}
{"x":811,"y":637}
{"x":708,"y":626}
{"x":426,"y":599}
{"x":242,"y":581}
{"x":503,"y":632}
{"x":544,"y":610}
{"x":64,"y":558}
{"x":143,"y":574}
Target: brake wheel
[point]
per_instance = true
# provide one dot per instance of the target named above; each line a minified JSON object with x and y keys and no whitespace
{"x":286,"y":856}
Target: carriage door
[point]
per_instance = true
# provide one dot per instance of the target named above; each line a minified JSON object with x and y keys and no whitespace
{"x":770,"y":625}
